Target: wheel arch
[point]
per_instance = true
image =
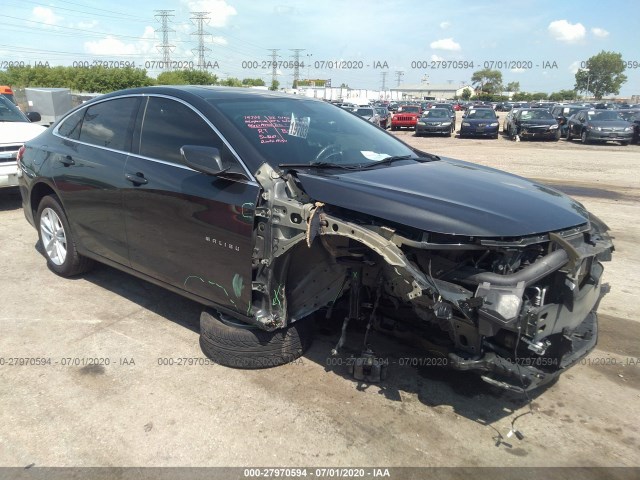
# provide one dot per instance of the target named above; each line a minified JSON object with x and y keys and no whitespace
{"x":38,"y":192}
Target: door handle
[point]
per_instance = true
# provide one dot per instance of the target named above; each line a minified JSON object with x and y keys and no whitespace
{"x":137,"y":179}
{"x":67,"y":161}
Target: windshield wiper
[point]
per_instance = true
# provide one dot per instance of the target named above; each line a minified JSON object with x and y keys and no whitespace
{"x":318,"y":165}
{"x":392,"y":159}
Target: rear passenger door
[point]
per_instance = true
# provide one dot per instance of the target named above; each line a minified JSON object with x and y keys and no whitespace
{"x":87,"y":167}
{"x":185,"y":228}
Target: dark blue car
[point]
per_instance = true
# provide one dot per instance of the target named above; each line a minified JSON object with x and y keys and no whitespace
{"x":479,"y":122}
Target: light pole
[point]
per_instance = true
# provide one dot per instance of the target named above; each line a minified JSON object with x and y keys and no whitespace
{"x":588,"y":78}
{"x":309,"y":55}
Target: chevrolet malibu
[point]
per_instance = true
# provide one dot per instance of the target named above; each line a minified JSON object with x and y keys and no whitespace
{"x":266,"y":208}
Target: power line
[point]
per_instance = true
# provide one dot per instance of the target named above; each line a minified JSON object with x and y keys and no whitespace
{"x":73,"y":28}
{"x":102,"y":9}
{"x":165,"y":47}
{"x":120,"y":16}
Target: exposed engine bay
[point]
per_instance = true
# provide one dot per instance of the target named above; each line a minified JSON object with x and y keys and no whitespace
{"x":517,"y":310}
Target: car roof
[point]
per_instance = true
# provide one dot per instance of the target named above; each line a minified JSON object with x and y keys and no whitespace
{"x":205,"y":92}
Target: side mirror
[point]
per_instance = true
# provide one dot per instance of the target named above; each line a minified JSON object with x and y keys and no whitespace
{"x":33,"y":116}
{"x":203,"y":159}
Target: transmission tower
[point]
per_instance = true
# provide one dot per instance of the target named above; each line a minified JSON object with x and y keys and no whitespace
{"x":399,"y":76}
{"x":163,"y":17}
{"x":200,"y":18}
{"x":274,"y":63}
{"x":384,"y":80}
{"x":296,"y":64}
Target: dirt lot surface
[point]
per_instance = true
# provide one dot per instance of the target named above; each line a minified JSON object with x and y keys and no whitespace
{"x":136,"y":412}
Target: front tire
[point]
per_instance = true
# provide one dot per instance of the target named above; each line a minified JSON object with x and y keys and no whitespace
{"x":238,"y":345}
{"x":584,"y":138}
{"x":57,"y":242}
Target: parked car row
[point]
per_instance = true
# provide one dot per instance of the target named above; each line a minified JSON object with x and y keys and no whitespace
{"x":524,"y":121}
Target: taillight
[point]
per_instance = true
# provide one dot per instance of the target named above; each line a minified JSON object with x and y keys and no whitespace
{"x":20,"y":154}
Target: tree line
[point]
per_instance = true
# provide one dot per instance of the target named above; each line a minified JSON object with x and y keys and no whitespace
{"x":101,"y":79}
{"x":601,"y":75}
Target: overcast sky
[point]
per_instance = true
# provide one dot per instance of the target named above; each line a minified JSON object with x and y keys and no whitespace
{"x":393,"y":35}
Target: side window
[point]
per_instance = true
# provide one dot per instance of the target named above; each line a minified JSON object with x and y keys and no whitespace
{"x":70,"y":127}
{"x":110,"y":123}
{"x":168,"y":125}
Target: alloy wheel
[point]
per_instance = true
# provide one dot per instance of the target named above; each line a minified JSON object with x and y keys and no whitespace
{"x":54,"y":238}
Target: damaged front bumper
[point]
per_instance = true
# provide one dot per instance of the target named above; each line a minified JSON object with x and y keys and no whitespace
{"x":527,"y":373}
{"x":516,"y":310}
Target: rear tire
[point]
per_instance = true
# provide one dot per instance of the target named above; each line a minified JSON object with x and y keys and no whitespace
{"x":56,"y":239}
{"x":234,"y":344}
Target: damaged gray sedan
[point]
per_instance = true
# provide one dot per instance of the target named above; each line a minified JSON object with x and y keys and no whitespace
{"x":267,"y":208}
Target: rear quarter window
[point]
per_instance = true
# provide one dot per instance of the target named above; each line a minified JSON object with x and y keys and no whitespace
{"x":70,"y":126}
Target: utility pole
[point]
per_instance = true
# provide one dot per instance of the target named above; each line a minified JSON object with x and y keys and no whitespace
{"x":399,"y":75}
{"x":165,"y":47}
{"x":200,"y":18}
{"x":384,"y":80}
{"x":274,"y":66}
{"x":296,"y":65}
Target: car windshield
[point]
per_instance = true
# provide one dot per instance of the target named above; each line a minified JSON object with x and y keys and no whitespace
{"x":365,"y":112}
{"x":568,"y":111}
{"x":485,"y":113}
{"x":436,"y":113}
{"x":291,"y":130}
{"x":10,"y":113}
{"x":629,"y":115}
{"x":537,"y":114}
{"x":604,"y":115}
{"x":410,"y":109}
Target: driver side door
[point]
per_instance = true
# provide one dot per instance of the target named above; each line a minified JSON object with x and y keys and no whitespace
{"x":188,"y":229}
